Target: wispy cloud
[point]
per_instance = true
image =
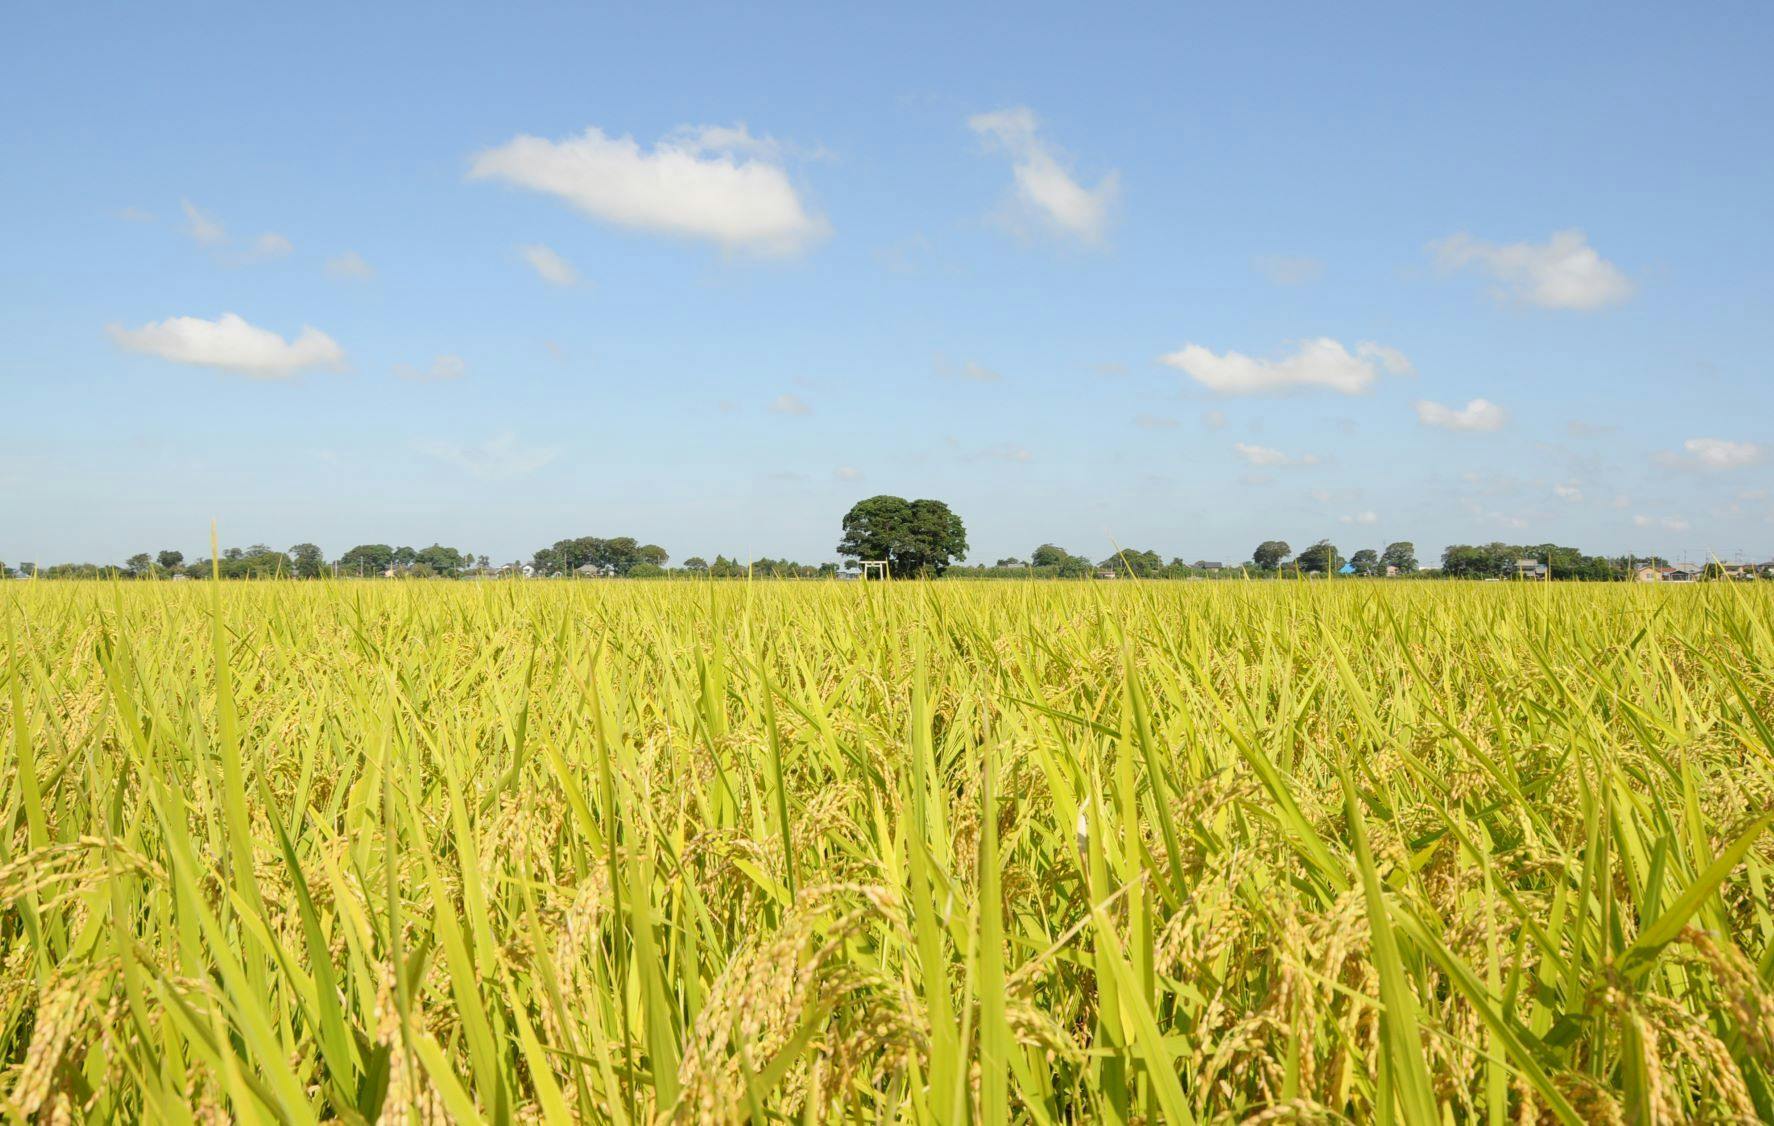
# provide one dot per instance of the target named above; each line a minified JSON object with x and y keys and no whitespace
{"x":790,"y":404}
{"x":971,"y":371}
{"x":1269,"y":457}
{"x":1565,"y":272}
{"x":269,"y":245}
{"x":201,"y":227}
{"x":1713,"y":453}
{"x":549,"y":266}
{"x":1289,"y":270}
{"x":442,"y":369}
{"x":350,"y":265}
{"x":717,"y":183}
{"x":847,"y":473}
{"x":499,"y":458}
{"x":1044,"y":187}
{"x":1667,"y":523}
{"x":1002,"y":451}
{"x":1364,"y":518}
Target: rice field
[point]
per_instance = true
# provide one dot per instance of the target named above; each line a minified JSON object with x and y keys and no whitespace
{"x":1045,"y":852}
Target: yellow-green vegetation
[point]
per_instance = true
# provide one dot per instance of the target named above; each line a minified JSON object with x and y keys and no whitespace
{"x":922,"y":852}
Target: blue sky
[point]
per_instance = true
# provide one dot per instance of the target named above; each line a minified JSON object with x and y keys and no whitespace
{"x":1181,"y":279}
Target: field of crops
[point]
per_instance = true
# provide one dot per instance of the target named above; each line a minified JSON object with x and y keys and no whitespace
{"x":1049,"y":852}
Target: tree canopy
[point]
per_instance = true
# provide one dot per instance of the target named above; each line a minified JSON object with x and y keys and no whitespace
{"x":919,"y":537}
{"x":1321,"y":557}
{"x":1270,"y":553}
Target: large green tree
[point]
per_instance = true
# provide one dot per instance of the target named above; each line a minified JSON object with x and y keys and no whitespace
{"x":918,"y":537}
{"x":1270,"y":553}
{"x":366,"y":559}
{"x":1402,"y":555}
{"x":306,"y":561}
{"x":1321,"y":556}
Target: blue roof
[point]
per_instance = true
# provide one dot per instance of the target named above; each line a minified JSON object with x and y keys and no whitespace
{"x":1346,"y":569}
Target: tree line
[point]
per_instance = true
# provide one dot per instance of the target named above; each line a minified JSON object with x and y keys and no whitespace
{"x":914,"y":538}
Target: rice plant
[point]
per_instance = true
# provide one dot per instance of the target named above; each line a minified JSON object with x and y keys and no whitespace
{"x":933,"y":852}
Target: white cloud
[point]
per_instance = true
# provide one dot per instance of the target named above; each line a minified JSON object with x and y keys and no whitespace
{"x":1714,"y":453}
{"x":1045,"y":188}
{"x":1005,"y":451}
{"x":1265,"y":455}
{"x":499,"y":458}
{"x":1321,"y":362}
{"x":270,"y":245}
{"x":790,"y":404}
{"x":708,"y":182}
{"x":847,"y":473}
{"x":1568,"y":491}
{"x":1478,"y":414}
{"x":1154,"y":422}
{"x":1289,"y":270}
{"x":134,"y":214}
{"x":549,"y":266}
{"x":1394,"y":361}
{"x":1667,"y":523}
{"x":350,"y":265}
{"x":231,"y":344}
{"x":201,"y":227}
{"x":1564,"y":273}
{"x":1369,"y":517}
{"x":1578,"y":428}
{"x":1213,"y":420}
{"x":442,"y":369}
{"x":970,"y":372}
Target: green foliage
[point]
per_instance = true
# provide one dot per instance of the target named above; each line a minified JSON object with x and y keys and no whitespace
{"x":1141,"y":564}
{"x":1402,"y":555}
{"x":306,"y":561}
{"x":920,"y":537}
{"x":366,"y":559}
{"x":1270,"y":554}
{"x":1321,"y":558}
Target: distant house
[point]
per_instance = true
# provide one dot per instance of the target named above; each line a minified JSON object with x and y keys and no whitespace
{"x":1648,"y":574}
{"x":1108,"y":573}
{"x":1530,"y":569}
{"x":1208,"y":565}
{"x":593,"y":571}
{"x":1346,"y":569}
{"x":1392,"y":570}
{"x":1682,"y":573}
